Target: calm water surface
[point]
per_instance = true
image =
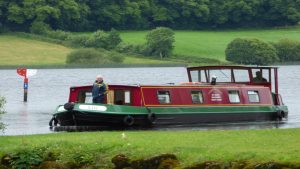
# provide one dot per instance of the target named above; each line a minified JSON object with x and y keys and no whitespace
{"x":50,"y":87}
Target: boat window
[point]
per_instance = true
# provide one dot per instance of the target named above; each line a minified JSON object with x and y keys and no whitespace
{"x":241,"y":75}
{"x":234,"y":96}
{"x":253,"y":96}
{"x":122,"y":97}
{"x":85,"y":96}
{"x":197,"y":97}
{"x":223,"y":75}
{"x":198,"y":76}
{"x":260,"y":75}
{"x":127,"y":97}
{"x":164,"y":97}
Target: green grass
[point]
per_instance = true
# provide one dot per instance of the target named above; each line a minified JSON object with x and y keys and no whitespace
{"x":20,"y":51}
{"x":280,"y":145}
{"x":212,"y":44}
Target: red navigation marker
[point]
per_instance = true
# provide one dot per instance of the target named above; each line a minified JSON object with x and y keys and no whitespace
{"x":22,"y":72}
{"x":26,"y":73}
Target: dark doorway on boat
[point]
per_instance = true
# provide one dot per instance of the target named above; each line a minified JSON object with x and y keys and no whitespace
{"x":85,"y":96}
{"x":121,"y":97}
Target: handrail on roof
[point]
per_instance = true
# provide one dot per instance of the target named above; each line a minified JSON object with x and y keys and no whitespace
{"x":238,"y":67}
{"x":231,"y":67}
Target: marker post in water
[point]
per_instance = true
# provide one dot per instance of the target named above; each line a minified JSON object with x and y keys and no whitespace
{"x":26,"y":73}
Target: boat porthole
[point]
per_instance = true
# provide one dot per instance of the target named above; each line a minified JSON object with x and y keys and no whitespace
{"x":151,"y":117}
{"x":128,"y":120}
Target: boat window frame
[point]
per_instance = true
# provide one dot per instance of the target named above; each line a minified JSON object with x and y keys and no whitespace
{"x":130,"y":97}
{"x":257,"y":95}
{"x":239,"y":96}
{"x":123,"y":96}
{"x":202,"y":94}
{"x":81,"y":92}
{"x":170,"y":98}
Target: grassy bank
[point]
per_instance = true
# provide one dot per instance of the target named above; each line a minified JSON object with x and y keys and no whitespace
{"x":280,"y":145}
{"x":21,"y":51}
{"x":212,"y":44}
{"x":203,"y":47}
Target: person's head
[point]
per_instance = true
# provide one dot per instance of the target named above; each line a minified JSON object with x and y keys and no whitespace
{"x":258,"y":74}
{"x":99,"y":78}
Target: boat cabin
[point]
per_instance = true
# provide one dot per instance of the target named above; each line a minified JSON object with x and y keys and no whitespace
{"x":207,"y":86}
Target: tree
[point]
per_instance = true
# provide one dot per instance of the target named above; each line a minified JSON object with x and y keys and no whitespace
{"x":288,"y":50}
{"x":160,"y":42}
{"x":106,"y":40}
{"x":250,"y":51}
{"x":2,"y":102}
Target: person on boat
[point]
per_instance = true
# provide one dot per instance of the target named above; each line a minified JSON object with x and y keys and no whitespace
{"x":99,"y":90}
{"x":259,"y":78}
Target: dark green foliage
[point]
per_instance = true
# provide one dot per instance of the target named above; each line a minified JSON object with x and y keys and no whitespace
{"x":160,"y":42}
{"x":39,"y":28}
{"x":250,"y":51}
{"x":288,"y":50}
{"x":58,"y":34}
{"x":90,"y":15}
{"x":2,"y":102}
{"x":93,"y":56}
{"x":26,"y":158}
{"x":131,"y":49}
{"x":106,"y":40}
{"x":77,"y":41}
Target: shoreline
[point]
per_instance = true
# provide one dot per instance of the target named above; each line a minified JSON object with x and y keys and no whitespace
{"x":74,"y":66}
{"x":8,"y":67}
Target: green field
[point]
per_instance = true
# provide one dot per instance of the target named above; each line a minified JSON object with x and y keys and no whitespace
{"x":18,"y":51}
{"x":212,"y":44}
{"x":279,"y":145}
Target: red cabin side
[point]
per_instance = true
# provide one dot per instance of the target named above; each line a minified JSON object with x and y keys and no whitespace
{"x":212,"y":95}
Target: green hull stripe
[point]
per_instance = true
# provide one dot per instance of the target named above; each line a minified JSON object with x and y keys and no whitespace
{"x":125,"y":110}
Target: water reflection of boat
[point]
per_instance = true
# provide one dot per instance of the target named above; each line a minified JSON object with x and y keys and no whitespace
{"x":213,"y":94}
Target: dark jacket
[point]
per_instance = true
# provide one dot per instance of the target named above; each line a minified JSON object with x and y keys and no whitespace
{"x":99,"y":89}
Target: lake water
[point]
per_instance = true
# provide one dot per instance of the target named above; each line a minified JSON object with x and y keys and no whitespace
{"x":50,"y":87}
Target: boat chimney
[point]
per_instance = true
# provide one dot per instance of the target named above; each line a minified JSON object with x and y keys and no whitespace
{"x":213,"y":80}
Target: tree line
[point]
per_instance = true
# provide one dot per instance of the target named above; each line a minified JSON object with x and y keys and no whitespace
{"x":91,"y":15}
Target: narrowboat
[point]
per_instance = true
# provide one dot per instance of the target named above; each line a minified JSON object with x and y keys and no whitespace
{"x":213,"y":94}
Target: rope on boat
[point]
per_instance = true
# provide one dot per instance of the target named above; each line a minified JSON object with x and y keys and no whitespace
{"x":53,"y":122}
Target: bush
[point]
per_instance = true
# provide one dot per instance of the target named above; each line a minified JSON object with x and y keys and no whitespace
{"x":39,"y":28}
{"x":250,"y":51}
{"x":58,"y":34}
{"x":2,"y":102}
{"x":27,"y":158}
{"x":77,"y":41}
{"x":113,"y":39}
{"x":93,"y":56}
{"x":101,"y":39}
{"x":160,"y":42}
{"x":97,"y":40}
{"x":130,"y":48}
{"x":288,"y":50}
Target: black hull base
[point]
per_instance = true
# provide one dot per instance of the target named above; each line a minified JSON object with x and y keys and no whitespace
{"x":97,"y":119}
